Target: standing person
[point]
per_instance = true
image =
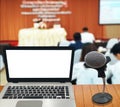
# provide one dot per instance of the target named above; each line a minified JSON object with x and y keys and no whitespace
{"x":113,"y":71}
{"x":77,"y":44}
{"x":86,"y":36}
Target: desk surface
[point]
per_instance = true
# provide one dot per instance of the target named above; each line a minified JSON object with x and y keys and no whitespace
{"x":83,"y":94}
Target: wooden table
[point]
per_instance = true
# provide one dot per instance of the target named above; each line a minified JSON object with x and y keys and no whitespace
{"x":83,"y":94}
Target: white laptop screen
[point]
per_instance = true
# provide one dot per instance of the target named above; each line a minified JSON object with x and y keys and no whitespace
{"x":38,"y":63}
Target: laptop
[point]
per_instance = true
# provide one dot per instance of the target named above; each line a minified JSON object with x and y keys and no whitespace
{"x":38,"y":77}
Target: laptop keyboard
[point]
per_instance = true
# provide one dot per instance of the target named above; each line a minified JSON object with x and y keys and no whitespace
{"x":37,"y":92}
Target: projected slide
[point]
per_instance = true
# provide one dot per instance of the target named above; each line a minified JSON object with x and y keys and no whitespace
{"x":109,"y":12}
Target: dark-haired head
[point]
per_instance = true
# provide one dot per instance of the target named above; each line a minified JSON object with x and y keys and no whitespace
{"x":116,"y":50}
{"x":77,"y":36}
{"x":86,"y":49}
{"x":85,"y":29}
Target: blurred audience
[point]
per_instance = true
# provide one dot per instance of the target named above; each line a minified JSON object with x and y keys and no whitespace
{"x":111,"y":42}
{"x":113,"y":71}
{"x":82,"y":74}
{"x":77,"y":44}
{"x":86,"y":36}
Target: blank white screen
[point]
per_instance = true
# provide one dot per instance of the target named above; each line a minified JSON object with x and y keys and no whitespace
{"x":39,"y":63}
{"x":109,"y":12}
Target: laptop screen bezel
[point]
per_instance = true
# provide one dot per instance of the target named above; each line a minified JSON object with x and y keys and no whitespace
{"x":37,"y":79}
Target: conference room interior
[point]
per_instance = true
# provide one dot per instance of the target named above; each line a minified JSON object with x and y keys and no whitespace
{"x":18,"y":29}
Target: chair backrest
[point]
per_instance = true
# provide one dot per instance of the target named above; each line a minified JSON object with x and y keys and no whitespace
{"x":2,"y":46}
{"x":111,"y":42}
{"x":1,"y":62}
{"x":77,"y":55}
{"x":64,"y":43}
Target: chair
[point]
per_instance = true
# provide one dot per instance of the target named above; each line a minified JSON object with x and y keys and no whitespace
{"x":111,"y":42}
{"x":2,"y":46}
{"x":64,"y":43}
{"x":1,"y":63}
{"x":77,"y":56}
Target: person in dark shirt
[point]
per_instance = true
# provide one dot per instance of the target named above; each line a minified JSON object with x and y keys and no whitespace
{"x":77,"y":41}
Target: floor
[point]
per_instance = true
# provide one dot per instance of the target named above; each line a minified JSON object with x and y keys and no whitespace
{"x":3,"y":80}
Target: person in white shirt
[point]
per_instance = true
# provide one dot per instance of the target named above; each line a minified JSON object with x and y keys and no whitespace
{"x":111,"y":42}
{"x":113,"y":71}
{"x":82,"y":74}
{"x":85,"y":75}
{"x":87,"y":37}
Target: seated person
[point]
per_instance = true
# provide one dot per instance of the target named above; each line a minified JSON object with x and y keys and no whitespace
{"x":83,"y":74}
{"x":113,"y":71}
{"x":111,"y":42}
{"x":77,"y":41}
{"x":87,"y":37}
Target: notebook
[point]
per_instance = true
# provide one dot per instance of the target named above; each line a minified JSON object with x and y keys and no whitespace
{"x":38,"y":77}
